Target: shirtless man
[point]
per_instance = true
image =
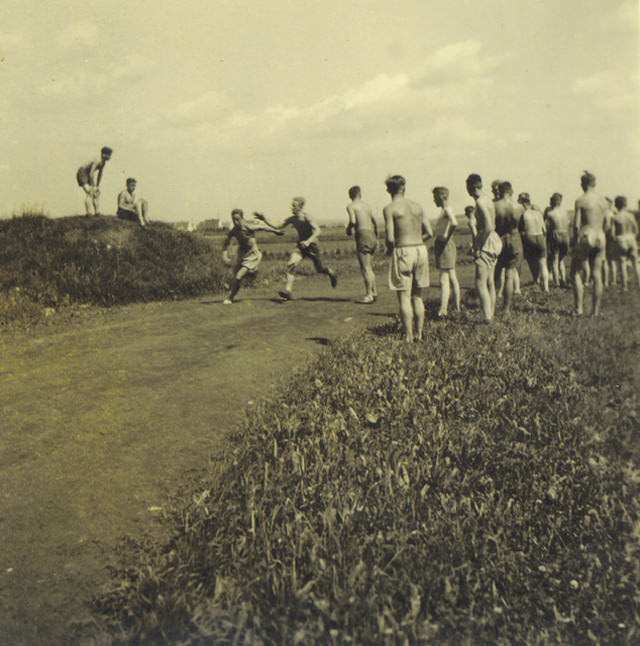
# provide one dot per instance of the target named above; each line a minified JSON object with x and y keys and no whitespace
{"x":248,"y":256}
{"x":589,"y":242}
{"x":361,"y":219}
{"x":406,"y":227}
{"x":89,"y":176}
{"x":609,"y":276}
{"x":445,"y":250}
{"x":508,"y":214}
{"x":308,"y":232}
{"x":130,"y":207}
{"x":557,"y":222}
{"x":486,"y":244}
{"x":625,"y":230}
{"x":534,"y":239}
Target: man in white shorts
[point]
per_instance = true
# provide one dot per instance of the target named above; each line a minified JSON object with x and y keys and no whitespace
{"x":486,"y":245}
{"x":406,"y":227}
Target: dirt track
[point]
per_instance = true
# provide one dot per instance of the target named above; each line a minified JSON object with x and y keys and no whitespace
{"x":101,"y":422}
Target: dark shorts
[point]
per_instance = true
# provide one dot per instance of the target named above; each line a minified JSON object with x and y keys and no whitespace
{"x":445,"y":253}
{"x":366,"y":241}
{"x":559,"y":244}
{"x":511,"y":255}
{"x":535,"y":247}
{"x":310,"y":251}
{"x":82,"y":176}
{"x":130,"y":216}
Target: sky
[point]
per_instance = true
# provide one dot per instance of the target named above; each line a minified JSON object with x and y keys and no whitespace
{"x":218,"y":104}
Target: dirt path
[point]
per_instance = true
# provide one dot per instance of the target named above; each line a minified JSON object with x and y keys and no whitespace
{"x":100,"y":423}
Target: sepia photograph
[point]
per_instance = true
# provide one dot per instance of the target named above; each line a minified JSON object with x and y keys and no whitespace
{"x":320,"y":323}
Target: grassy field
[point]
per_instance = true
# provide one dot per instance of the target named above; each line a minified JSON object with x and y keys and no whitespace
{"x":478,"y":488}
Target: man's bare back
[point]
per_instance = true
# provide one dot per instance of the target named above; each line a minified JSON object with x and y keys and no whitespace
{"x":591,"y":212}
{"x":409,"y":221}
{"x":361,"y":215}
{"x":558,"y":220}
{"x":507,"y":215}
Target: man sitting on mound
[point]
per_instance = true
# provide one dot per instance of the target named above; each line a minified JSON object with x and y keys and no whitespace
{"x":130,"y":207}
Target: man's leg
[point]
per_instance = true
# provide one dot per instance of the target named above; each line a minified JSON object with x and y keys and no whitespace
{"x":635,"y":262}
{"x":367,"y":274}
{"x":88,"y":200}
{"x":418,"y":311}
{"x":596,"y":273}
{"x":509,"y":285}
{"x":500,"y":274}
{"x":294,"y":261}
{"x":236,"y":281}
{"x":544,"y":273}
{"x":321,"y":269}
{"x":624,"y":273}
{"x":484,"y":276}
{"x":406,"y":312}
{"x":455,"y":287}
{"x":444,"y":298}
{"x":555,"y":267}
{"x":516,"y":282}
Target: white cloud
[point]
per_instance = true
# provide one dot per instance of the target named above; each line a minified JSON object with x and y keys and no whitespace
{"x":610,"y":90}
{"x":206,"y":110}
{"x":79,"y":34}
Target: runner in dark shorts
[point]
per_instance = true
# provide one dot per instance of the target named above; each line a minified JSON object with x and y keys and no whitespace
{"x":362,"y":221}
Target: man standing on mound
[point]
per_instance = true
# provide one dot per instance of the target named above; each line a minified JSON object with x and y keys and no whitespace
{"x":249,"y":256}
{"x":589,"y":242}
{"x":308,"y":232}
{"x":130,"y":207}
{"x":89,"y":176}
{"x":406,"y":223}
{"x":486,"y":245}
{"x":361,"y":219}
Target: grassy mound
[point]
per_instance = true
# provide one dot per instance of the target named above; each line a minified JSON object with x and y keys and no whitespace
{"x":479,"y":488}
{"x":99,"y":260}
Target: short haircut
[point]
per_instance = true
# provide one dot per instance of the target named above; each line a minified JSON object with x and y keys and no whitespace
{"x":620,"y":202}
{"x":474,"y":181}
{"x":441,"y":191}
{"x":106,"y":150}
{"x":556,"y":199}
{"x":298,"y":200}
{"x":395,"y":183}
{"x":131,"y":179}
{"x":468,"y":210}
{"x":588,"y":179}
{"x":506,"y":189}
{"x":524,"y":198}
{"x":236,"y":212}
{"x":354,"y":191}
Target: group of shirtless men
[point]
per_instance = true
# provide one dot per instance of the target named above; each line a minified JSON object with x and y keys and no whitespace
{"x":503,"y":229}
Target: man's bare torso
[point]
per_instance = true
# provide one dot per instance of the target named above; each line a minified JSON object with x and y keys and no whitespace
{"x":407,"y":217}
{"x":508,"y":213}
{"x":591,"y":212}
{"x":558,"y":220}
{"x":362,"y":215}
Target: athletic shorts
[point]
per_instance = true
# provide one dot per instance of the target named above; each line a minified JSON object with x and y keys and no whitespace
{"x":311,"y":251}
{"x":366,"y":241}
{"x":130,"y":216}
{"x":487,"y":255}
{"x":409,"y":268}
{"x":511,"y":254}
{"x":82,"y":176}
{"x":250,"y":261}
{"x":559,"y":244}
{"x":590,"y":247}
{"x":535,"y":246}
{"x":627,"y":245}
{"x":445,"y":253}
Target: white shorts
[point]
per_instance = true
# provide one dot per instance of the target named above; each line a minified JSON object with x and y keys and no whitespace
{"x":409,"y":267}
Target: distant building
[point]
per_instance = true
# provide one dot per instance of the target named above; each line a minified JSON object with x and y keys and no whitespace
{"x":209,"y":226}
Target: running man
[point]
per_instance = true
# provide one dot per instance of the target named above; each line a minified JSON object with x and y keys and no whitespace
{"x":445,"y":250}
{"x":89,"y":177}
{"x":248,"y":256}
{"x":557,"y":222}
{"x":308,"y":232}
{"x":486,"y":245}
{"x":130,"y":207}
{"x":361,"y":219}
{"x":406,"y":226}
{"x":625,"y":230}
{"x":508,"y":215}
{"x":534,"y":239}
{"x":589,"y":242}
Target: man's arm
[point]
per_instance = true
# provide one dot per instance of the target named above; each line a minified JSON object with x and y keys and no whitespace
{"x":389,"y":230}
{"x":352,"y":218}
{"x":453,"y":223}
{"x":427,"y":230}
{"x":264,"y":226}
{"x":287,"y":222}
{"x":577,"y":221}
{"x":474,"y":229}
